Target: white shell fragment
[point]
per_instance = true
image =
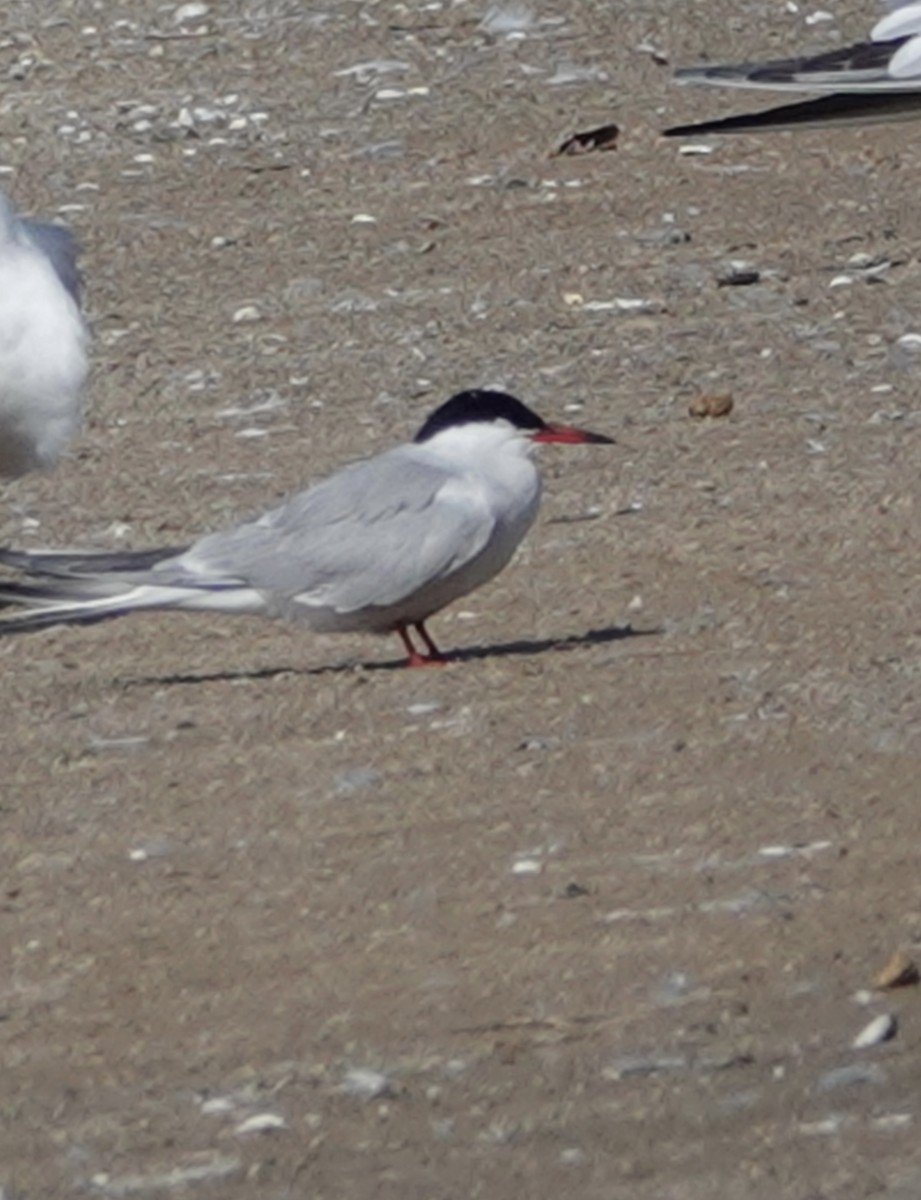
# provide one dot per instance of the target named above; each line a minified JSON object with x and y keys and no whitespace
{"x":881,"y":1029}
{"x":527,"y":866}
{"x":504,"y":19}
{"x":248,"y":312}
{"x":189,"y":12}
{"x":214,"y":1168}
{"x":265,"y":1122}
{"x":366,"y":1084}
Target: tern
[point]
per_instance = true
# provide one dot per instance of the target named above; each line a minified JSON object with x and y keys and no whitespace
{"x":378,"y":547}
{"x":866,"y":83}
{"x":43,"y":338}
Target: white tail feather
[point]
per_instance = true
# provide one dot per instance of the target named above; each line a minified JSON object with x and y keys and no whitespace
{"x":42,"y":611}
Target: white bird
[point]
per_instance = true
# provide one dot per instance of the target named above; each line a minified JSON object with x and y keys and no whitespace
{"x":871,"y":81}
{"x":378,"y":547}
{"x":43,"y":362}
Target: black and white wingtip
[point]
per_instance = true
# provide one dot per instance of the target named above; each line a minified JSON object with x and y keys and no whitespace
{"x":869,"y":82}
{"x":840,"y":109}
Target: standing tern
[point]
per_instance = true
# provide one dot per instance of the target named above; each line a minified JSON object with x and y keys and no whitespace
{"x":869,"y":82}
{"x":42,"y":342}
{"x":378,"y":547}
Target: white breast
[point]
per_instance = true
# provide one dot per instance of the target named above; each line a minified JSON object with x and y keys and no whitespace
{"x":43,"y":361}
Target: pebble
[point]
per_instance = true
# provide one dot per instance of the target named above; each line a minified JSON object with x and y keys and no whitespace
{"x":365,"y":71}
{"x":881,"y":1029}
{"x":527,"y":866}
{"x":850,"y":1076}
{"x":711,"y":404}
{"x":99,"y":745}
{"x":248,"y":312}
{"x":890,"y":1121}
{"x":673,"y":989}
{"x":356,"y":779}
{"x":824,"y":1127}
{"x":264,"y":1122}
{"x":899,"y":971}
{"x":154,"y":847}
{"x":505,"y":19}
{"x":739,"y":274}
{"x":210,"y":1169}
{"x":631,"y":1066}
{"x":631,"y":304}
{"x":366,"y":1084}
{"x":190,"y":12}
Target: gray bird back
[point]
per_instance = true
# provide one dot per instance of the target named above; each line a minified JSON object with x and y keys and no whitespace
{"x":366,"y":536}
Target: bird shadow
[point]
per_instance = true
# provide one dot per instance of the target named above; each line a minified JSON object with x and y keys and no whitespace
{"x":525,"y":648}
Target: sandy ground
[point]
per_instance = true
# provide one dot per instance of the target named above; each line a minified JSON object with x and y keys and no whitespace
{"x":597,"y":909}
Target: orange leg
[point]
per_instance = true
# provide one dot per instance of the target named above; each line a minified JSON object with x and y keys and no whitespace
{"x":434,"y":655}
{"x":414,"y":659}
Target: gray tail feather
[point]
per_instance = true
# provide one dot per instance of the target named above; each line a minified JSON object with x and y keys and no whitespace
{"x":70,"y":564}
{"x":70,"y":588}
{"x":72,"y":612}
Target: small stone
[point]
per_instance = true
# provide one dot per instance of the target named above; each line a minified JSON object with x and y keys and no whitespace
{"x":635,"y":1065}
{"x":573,"y":891}
{"x":881,"y":1029}
{"x":887,"y":1121}
{"x":824,"y":1128}
{"x":153,"y":848}
{"x":711,"y":404}
{"x":853,"y":1075}
{"x":366,"y":1084}
{"x":356,"y":779}
{"x":527,"y":866}
{"x":739,"y":275}
{"x":899,"y":971}
{"x":636,"y":304}
{"x":189,"y":12}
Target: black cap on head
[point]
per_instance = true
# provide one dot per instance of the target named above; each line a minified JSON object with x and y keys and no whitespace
{"x":467,"y":407}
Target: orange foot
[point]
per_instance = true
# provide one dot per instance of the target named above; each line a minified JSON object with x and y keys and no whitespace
{"x":434,"y":658}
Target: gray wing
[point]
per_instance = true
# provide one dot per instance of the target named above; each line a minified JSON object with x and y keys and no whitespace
{"x":60,"y":247}
{"x":371,"y":535}
{"x":863,"y":66}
